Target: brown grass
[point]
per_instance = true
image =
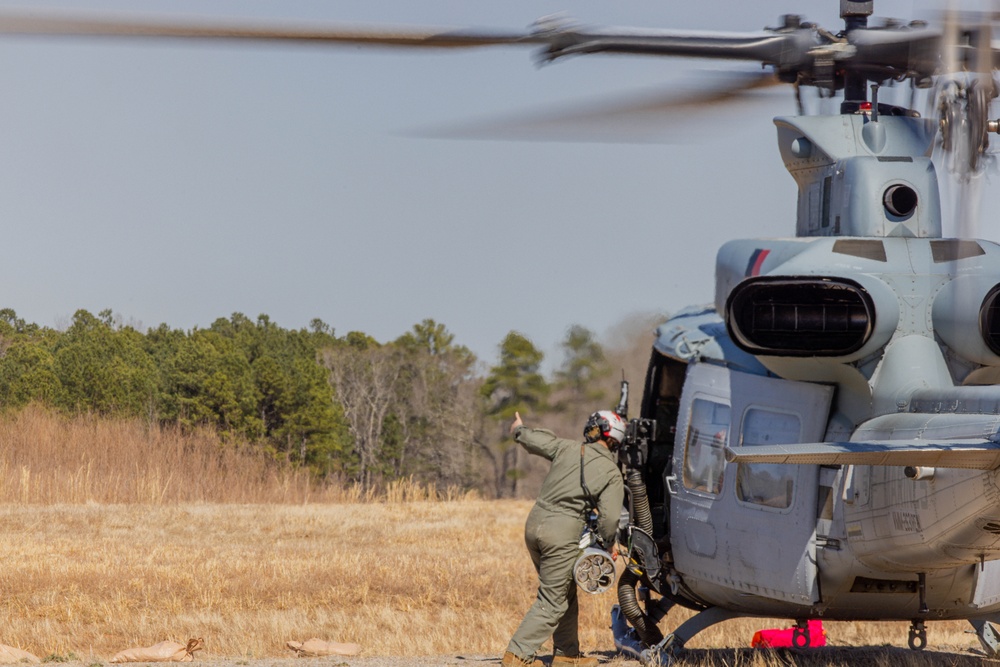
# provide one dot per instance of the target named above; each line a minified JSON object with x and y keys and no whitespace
{"x":47,"y":458}
{"x":399,"y":578}
{"x":113,"y":535}
{"x":410,"y":578}
{"x":91,"y":579}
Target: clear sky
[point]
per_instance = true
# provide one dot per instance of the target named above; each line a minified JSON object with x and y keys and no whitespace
{"x":179,"y":182}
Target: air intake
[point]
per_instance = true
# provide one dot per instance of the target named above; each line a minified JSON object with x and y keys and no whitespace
{"x":989,"y":320}
{"x":800,"y":317}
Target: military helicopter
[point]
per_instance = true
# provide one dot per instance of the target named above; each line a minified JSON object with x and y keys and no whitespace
{"x":824,"y":440}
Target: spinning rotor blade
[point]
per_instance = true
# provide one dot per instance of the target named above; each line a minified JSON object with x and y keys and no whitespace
{"x":893,"y":52}
{"x":965,"y":90}
{"x":660,"y":117}
{"x":561,"y":37}
{"x":795,"y":50}
{"x":799,"y":52}
{"x":770,"y":48}
{"x":153,"y":26}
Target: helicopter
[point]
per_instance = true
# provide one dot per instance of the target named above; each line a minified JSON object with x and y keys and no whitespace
{"x":822,"y":441}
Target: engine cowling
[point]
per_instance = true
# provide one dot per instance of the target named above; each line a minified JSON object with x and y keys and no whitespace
{"x":810,"y":316}
{"x":966,"y":316}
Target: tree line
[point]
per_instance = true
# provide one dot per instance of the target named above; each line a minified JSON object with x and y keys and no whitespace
{"x":347,"y":407}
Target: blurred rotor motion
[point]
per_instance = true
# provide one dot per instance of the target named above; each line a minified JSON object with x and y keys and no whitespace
{"x":964,"y":92}
{"x":962,"y":96}
{"x":654,"y":116}
{"x":956,"y":59}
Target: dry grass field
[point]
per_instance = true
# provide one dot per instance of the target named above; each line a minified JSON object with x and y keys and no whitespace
{"x":400,"y":578}
{"x":116,"y":534}
{"x":405,"y":578}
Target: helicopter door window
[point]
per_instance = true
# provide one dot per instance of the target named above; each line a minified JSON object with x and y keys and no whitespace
{"x":705,"y":446}
{"x":767,"y":484}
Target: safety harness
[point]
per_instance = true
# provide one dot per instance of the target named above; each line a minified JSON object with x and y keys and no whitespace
{"x":591,"y":500}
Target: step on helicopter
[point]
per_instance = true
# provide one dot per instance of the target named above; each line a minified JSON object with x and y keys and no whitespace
{"x":823,"y":441}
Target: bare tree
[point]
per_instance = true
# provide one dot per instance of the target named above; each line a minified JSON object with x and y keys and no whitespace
{"x":366,"y":381}
{"x":629,"y":343}
{"x":413,"y":406}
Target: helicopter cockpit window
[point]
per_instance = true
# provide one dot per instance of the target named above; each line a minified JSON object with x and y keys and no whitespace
{"x":705,"y":447}
{"x":767,"y":484}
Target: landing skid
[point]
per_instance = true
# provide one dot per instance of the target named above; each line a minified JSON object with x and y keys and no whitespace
{"x":627,"y":641}
{"x":663,"y":654}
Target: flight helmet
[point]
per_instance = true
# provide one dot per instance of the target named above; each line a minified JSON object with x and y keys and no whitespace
{"x":606,"y":425}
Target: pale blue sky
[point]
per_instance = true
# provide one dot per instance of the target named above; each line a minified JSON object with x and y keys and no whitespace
{"x":180,"y":182}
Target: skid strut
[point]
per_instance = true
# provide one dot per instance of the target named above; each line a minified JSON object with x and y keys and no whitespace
{"x":989,"y":638}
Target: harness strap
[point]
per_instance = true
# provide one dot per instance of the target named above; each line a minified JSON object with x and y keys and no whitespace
{"x":592,"y":514}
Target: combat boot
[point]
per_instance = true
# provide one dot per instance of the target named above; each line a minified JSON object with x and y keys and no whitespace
{"x":574,"y":661}
{"x":511,"y":660}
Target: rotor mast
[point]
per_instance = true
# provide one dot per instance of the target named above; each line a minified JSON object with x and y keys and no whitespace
{"x":855,"y":14}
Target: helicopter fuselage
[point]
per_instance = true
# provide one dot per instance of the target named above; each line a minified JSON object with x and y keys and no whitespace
{"x":827,"y":430}
{"x":839,"y":542}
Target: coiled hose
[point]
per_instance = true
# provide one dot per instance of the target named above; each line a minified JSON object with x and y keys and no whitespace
{"x":629,"y":604}
{"x":628,"y":601}
{"x":641,"y":514}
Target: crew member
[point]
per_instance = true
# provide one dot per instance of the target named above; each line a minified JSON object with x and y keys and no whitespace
{"x":555,"y":525}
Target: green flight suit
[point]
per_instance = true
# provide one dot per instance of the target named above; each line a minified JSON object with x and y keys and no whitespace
{"x":552,"y":534}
